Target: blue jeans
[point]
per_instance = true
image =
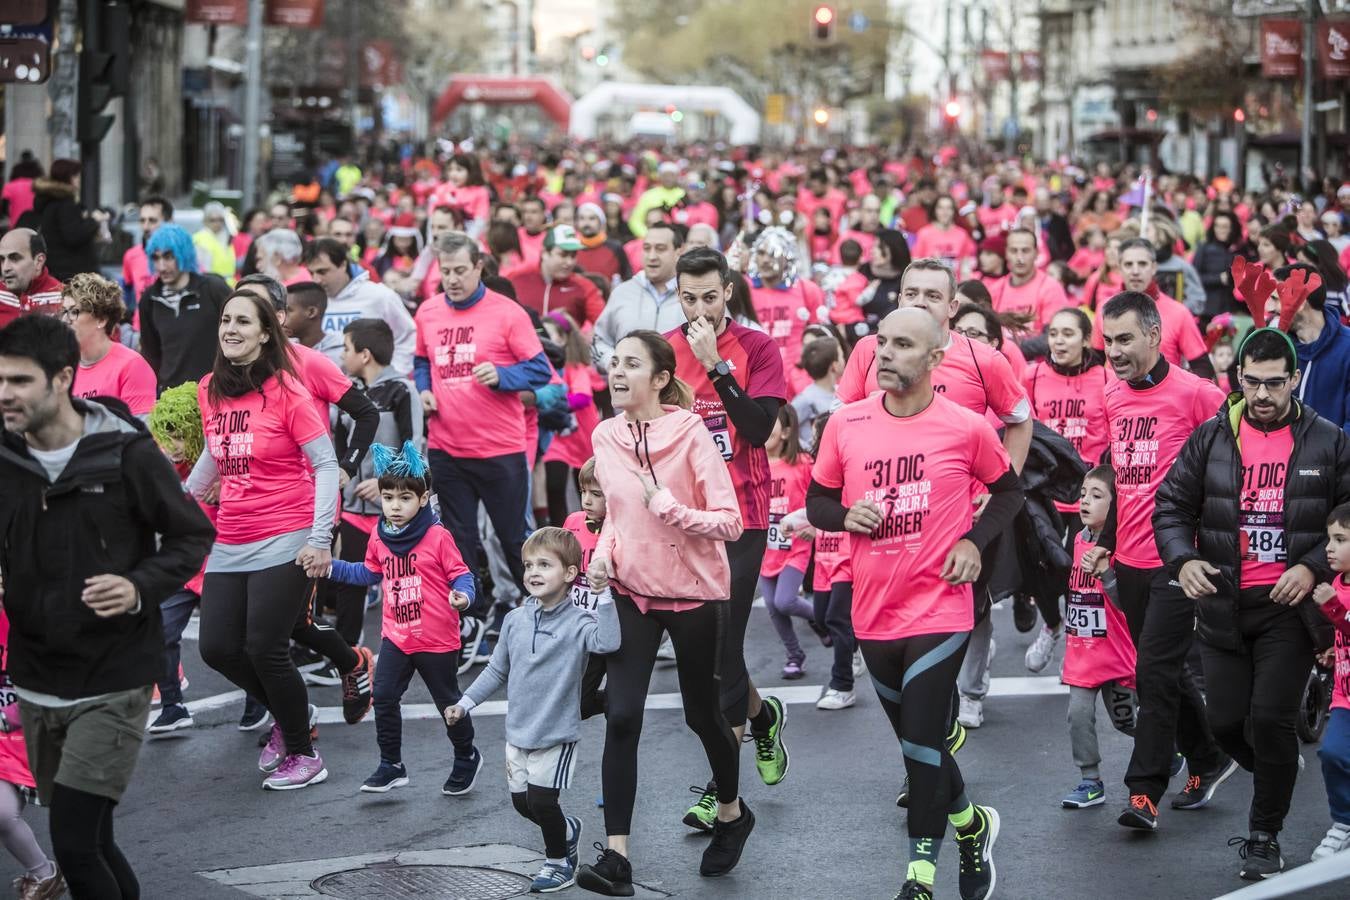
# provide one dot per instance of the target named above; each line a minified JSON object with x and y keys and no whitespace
{"x":1335,"y":755}
{"x":176,"y":613}
{"x":392,"y":676}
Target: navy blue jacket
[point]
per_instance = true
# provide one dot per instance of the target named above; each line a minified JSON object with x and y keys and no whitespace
{"x":1325,"y":364}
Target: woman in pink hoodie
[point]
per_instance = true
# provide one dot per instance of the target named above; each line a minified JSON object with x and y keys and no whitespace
{"x":671,"y":506}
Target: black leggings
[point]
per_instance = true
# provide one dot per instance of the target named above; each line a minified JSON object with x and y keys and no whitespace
{"x":247,"y":620}
{"x":746,"y":557}
{"x":82,"y":842}
{"x":834,"y":608}
{"x":697,"y":635}
{"x":914,"y":678}
{"x":557,"y":475}
{"x":324,"y":639}
{"x":540,"y":806}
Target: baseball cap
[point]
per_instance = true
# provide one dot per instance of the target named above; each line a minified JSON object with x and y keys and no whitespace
{"x":564,"y":237}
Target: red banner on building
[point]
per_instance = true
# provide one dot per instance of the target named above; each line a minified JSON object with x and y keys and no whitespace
{"x":1333,"y":47}
{"x":294,"y":13}
{"x":997,"y":64}
{"x":1281,"y":48}
{"x":380,"y":65}
{"x":217,"y":12}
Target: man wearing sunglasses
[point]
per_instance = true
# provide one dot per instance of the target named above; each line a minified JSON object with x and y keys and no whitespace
{"x":1241,"y":526}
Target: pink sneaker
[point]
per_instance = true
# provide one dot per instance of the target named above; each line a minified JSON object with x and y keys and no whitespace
{"x":297,"y":771}
{"x":274,"y":752}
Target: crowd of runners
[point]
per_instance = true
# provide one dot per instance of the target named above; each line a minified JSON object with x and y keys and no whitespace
{"x":565,"y":415}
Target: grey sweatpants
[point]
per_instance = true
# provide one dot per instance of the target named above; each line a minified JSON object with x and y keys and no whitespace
{"x":1120,"y":703}
{"x":973,"y":679}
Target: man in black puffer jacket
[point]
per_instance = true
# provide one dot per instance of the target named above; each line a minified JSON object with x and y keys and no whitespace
{"x":1240,"y":523}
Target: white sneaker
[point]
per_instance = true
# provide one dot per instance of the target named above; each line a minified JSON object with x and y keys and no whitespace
{"x":833,"y":699}
{"x":971,"y":712}
{"x":859,"y":667}
{"x":1041,"y":649}
{"x":667,"y":650}
{"x":1337,"y":840}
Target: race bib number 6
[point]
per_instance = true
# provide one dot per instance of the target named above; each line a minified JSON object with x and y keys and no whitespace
{"x":717,"y":427}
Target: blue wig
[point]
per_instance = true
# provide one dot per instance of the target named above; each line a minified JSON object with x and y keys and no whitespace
{"x":174,"y":239}
{"x":405,"y":462}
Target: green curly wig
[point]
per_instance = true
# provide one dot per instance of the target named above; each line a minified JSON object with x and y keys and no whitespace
{"x":176,"y":417}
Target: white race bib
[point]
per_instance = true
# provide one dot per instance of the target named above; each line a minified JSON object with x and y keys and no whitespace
{"x":1086,"y":615}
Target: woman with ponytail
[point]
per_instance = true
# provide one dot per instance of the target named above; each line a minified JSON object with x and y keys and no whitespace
{"x":671,"y":506}
{"x":274,"y":525}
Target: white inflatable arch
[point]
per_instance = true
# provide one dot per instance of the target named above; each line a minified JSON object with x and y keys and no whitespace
{"x":605,"y":98}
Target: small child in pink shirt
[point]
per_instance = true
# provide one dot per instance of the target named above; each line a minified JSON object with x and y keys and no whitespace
{"x":1334,"y":600}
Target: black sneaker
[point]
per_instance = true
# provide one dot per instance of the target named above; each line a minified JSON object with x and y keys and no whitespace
{"x":1024,"y":613}
{"x":171,"y":718}
{"x":463,"y":774}
{"x":305,"y":659}
{"x":912,"y":890}
{"x":611,"y":875}
{"x":1200,"y":788}
{"x":385,"y":778}
{"x":357,"y":687}
{"x":978,"y":875}
{"x":1260,"y":854}
{"x":728,"y":841}
{"x":1141,"y":813}
{"x":326,"y":675}
{"x":255,"y":715}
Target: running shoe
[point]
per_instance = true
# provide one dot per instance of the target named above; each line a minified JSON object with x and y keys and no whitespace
{"x":305,"y":659}
{"x":295,"y":772}
{"x":1088,"y":793}
{"x":956,"y":739}
{"x":859,"y":667}
{"x":970,"y":713}
{"x":666,"y":652}
{"x":171,"y":718}
{"x":182,"y":686}
{"x":978,"y":875}
{"x":463,"y":774}
{"x":1200,"y":788}
{"x":1043,"y":648}
{"x":702,"y":814}
{"x":792,"y":669}
{"x":913,"y":890}
{"x":385,"y":778}
{"x":833,"y":699}
{"x":1141,"y":813}
{"x":573,"y":841}
{"x":553,"y":877}
{"x":471,"y":635}
{"x":728,"y":840}
{"x":326,"y":675}
{"x":771,"y":756}
{"x":1178,"y":763}
{"x":273,"y":752}
{"x":255,"y":715}
{"x":356,"y":687}
{"x":1337,"y":839}
{"x":612,"y":874}
{"x":26,"y":887}
{"x":1024,"y":613}
{"x":1260,"y":855}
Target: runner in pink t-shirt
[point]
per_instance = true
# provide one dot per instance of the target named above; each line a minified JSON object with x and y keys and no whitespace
{"x":18,"y":789}
{"x":93,"y":307}
{"x":122,"y":373}
{"x":787,"y":553}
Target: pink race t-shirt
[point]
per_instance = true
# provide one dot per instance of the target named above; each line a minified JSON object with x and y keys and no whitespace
{"x":472,"y":421}
{"x":1261,"y":537}
{"x":1074,"y":407}
{"x":122,"y":373}
{"x":1097,"y":644}
{"x":13,"y":754}
{"x":137,"y":271}
{"x":1337,"y":609}
{"x":418,"y":617}
{"x":587,"y":534}
{"x":832,"y":560}
{"x":1040,"y":297}
{"x":785,"y":312}
{"x":953,"y":245}
{"x":321,"y":377}
{"x":1148,"y":428}
{"x":266,"y":487}
{"x":918,"y":470}
{"x":787,"y":493}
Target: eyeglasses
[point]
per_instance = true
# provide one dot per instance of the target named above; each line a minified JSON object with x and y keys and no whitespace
{"x":974,"y":334}
{"x":69,"y":313}
{"x":1270,"y":384}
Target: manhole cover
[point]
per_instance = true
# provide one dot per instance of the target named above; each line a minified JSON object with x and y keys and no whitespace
{"x":430,"y":882}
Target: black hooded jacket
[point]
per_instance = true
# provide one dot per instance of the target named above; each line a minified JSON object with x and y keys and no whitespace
{"x":1197,"y":511}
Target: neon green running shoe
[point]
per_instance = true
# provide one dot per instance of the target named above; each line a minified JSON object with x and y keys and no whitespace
{"x":771,"y":756}
{"x":702,"y":814}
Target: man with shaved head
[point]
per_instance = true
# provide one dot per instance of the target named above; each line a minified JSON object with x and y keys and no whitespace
{"x":895,"y":470}
{"x":27,"y":286}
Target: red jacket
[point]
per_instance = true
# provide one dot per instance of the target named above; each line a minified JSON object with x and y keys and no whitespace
{"x":575,"y":296}
{"x":43,"y":295}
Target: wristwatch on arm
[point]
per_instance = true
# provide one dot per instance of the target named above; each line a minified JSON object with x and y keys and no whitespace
{"x":722,"y":368}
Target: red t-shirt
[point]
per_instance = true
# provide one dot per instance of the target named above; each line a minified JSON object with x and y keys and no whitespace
{"x":588,"y":535}
{"x":1261,"y":537}
{"x":1041,"y":297}
{"x":495,"y":330}
{"x":758,"y":369}
{"x":1097,"y":644}
{"x":972,"y":374}
{"x":1148,"y":429}
{"x":784,"y":312}
{"x":418,"y":617}
{"x":266,"y":487}
{"x":787,"y":493}
{"x":919,"y":470}
{"x":122,"y":373}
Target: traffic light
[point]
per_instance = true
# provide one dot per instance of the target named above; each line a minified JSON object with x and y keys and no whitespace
{"x":104,"y":72}
{"x":1239,"y":115}
{"x":823,"y":19}
{"x":952,"y":110}
{"x":821,"y":116}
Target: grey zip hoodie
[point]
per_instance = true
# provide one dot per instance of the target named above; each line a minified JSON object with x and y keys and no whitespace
{"x":540,"y":657}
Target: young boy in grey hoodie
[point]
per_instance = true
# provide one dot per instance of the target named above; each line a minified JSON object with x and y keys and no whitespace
{"x":540,"y":658}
